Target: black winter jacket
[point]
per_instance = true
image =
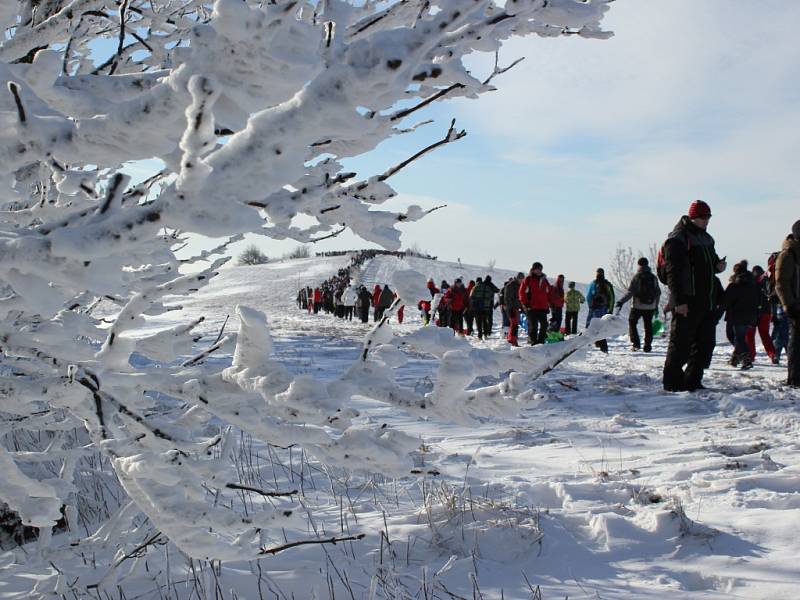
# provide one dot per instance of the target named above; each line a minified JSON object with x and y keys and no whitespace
{"x":742,"y":298}
{"x":691,"y":265}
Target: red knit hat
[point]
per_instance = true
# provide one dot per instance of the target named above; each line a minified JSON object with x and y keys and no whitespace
{"x":699,"y":210}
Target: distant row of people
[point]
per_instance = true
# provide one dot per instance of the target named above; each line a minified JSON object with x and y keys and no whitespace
{"x":687,"y":265}
{"x":338,"y":297}
{"x":362,"y":255}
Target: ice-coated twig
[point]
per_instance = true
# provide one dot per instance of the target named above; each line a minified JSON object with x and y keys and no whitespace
{"x":333,"y":540}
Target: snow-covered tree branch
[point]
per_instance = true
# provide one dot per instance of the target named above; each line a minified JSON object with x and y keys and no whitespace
{"x":243,"y":111}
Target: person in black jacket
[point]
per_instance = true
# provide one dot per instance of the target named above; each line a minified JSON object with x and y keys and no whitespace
{"x":691,"y":264}
{"x":363,"y":303}
{"x":741,"y":312}
{"x":489,"y":316}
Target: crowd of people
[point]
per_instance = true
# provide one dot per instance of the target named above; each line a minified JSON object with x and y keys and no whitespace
{"x":339,"y":296}
{"x":757,"y":301}
{"x":752,"y":300}
{"x":372,"y":253}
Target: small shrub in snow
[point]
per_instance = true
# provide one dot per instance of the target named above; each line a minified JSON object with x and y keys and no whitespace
{"x":300,"y":251}
{"x":252,"y":256}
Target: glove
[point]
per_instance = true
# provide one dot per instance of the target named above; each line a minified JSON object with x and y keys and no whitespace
{"x":618,"y":305}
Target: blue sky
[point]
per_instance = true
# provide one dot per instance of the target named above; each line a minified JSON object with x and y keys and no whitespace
{"x":589,"y":144}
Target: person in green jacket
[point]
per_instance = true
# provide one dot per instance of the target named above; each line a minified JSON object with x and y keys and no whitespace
{"x":572,"y":302}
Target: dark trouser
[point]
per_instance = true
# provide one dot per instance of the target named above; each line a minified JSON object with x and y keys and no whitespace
{"x":571,"y":323}
{"x":469,"y":318}
{"x":316,"y":308}
{"x":793,"y":353}
{"x":780,"y":331}
{"x":488,"y":322}
{"x":513,"y":325}
{"x":348,"y":313}
{"x":633,"y":322}
{"x":691,"y":340}
{"x":483,"y":322}
{"x":537,"y":325}
{"x":506,"y":320}
{"x":363,"y":312}
{"x":556,"y":313}
{"x":740,"y":345}
{"x":457,"y":320}
{"x":444,"y":317}
{"x":379,"y":310}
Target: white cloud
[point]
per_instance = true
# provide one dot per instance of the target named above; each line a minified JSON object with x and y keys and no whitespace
{"x":669,"y":64}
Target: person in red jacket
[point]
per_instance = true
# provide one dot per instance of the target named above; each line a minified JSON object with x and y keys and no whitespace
{"x":557,"y":304}
{"x":534,"y":295}
{"x":469,"y":317}
{"x":764,"y":318}
{"x":400,"y":311}
{"x":457,"y":298}
{"x":376,"y":300}
{"x":317,"y":300}
{"x":432,"y":287}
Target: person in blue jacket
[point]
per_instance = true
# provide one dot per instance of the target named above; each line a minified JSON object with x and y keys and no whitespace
{"x":600,"y":300}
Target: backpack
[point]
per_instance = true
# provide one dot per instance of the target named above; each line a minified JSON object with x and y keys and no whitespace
{"x":600,"y":297}
{"x":661,"y":261}
{"x":646,"y":290}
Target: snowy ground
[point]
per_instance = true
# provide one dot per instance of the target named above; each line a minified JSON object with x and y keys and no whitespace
{"x":601,"y":487}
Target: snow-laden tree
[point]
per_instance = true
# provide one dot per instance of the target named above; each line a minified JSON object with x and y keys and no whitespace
{"x":252,"y":255}
{"x":247,"y":108}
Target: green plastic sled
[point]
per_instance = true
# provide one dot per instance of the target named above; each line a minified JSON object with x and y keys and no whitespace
{"x":658,"y":327}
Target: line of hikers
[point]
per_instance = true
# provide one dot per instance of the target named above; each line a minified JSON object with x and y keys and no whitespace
{"x":471,"y":308}
{"x":687,"y":265}
{"x":338,"y":297}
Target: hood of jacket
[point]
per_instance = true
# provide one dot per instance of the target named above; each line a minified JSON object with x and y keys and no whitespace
{"x":745,"y":277}
{"x":790,"y":243}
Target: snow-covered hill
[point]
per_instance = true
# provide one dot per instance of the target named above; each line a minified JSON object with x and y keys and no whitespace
{"x":637,"y":493}
{"x":596,"y":485}
{"x":273,"y":287}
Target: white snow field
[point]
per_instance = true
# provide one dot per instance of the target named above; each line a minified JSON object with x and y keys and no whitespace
{"x":593,"y":484}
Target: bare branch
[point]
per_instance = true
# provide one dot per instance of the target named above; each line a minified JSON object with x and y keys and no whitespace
{"x":247,"y":488}
{"x":333,"y":540}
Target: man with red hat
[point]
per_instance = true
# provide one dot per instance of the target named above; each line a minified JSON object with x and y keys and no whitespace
{"x":691,"y":265}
